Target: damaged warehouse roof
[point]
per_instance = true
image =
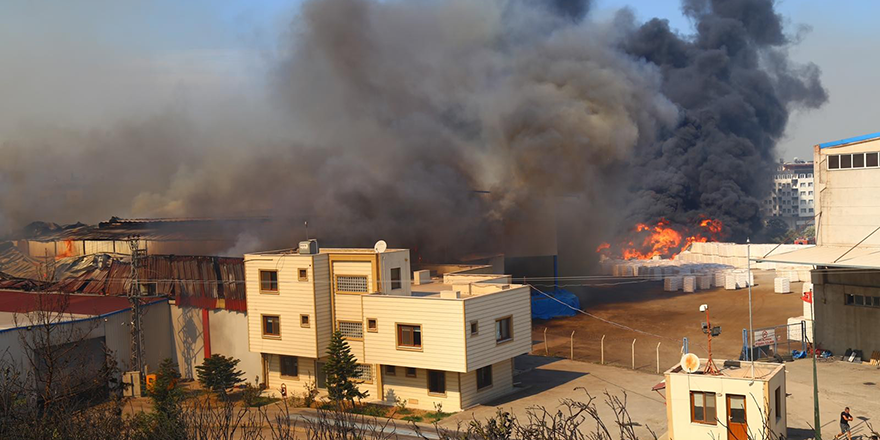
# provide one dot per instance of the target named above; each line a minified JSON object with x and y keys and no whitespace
{"x":201,"y":281}
{"x":169,"y":229}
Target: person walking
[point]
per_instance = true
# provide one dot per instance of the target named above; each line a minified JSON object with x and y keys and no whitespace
{"x":845,"y":418}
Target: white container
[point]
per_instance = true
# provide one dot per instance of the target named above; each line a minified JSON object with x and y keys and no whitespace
{"x":689,"y":284}
{"x":719,"y":278}
{"x":795,"y":332}
{"x":781,"y":285}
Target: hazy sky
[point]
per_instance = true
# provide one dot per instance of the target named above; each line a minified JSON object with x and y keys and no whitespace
{"x":130,"y":58}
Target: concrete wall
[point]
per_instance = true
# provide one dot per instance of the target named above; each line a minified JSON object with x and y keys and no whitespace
{"x":229,"y":339}
{"x":840,"y":326}
{"x":186,"y":327}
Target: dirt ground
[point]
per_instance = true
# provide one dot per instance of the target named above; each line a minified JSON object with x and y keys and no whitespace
{"x":672,"y":315}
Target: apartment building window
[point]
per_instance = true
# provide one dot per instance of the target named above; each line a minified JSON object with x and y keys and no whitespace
{"x":778,"y":403}
{"x":271,"y":326}
{"x":364,"y":372}
{"x":703,"y":407}
{"x":503,"y":331}
{"x":289,"y":366}
{"x":269,"y":281}
{"x":303,"y":274}
{"x":409,"y":336}
{"x":372,"y":325}
{"x":410,"y":372}
{"x":351,"y":283}
{"x":351,"y":329}
{"x":391,"y":370}
{"x":484,"y":377}
{"x":304,"y":321}
{"x":475,"y":328}
{"x":395,"y":278}
{"x":436,"y":382}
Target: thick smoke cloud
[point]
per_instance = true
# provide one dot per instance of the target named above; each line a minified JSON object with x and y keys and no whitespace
{"x":452,"y":126}
{"x":735,"y":87}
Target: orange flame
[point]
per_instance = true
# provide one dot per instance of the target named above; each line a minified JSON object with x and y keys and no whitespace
{"x":68,"y":250}
{"x":664,"y":240}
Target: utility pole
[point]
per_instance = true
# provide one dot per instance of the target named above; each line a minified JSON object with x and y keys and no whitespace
{"x":817,"y":423}
{"x":749,"y":282}
{"x":134,"y":296}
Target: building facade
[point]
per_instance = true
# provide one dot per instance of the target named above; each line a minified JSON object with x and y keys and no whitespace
{"x":846,"y":284}
{"x":793,"y":195}
{"x":448,"y":341}
{"x":738,"y":403}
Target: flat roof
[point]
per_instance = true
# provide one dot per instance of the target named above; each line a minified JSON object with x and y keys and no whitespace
{"x":734,"y":369}
{"x":472,"y":290}
{"x":861,"y":257}
{"x":862,"y":138}
{"x":295,"y":251}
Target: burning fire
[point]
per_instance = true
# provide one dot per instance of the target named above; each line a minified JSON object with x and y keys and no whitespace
{"x":662,"y":239}
{"x":67,"y":251}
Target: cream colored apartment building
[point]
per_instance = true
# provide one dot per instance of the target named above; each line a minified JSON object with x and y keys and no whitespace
{"x":448,"y":341}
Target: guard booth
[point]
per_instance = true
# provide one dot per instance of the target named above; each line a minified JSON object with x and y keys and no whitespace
{"x":735,"y":402}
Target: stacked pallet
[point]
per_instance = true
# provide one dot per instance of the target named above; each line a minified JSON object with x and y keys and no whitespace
{"x":706,"y":281}
{"x":673,"y":283}
{"x":781,"y":285}
{"x":689,"y":284}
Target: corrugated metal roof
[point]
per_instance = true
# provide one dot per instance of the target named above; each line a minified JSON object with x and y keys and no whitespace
{"x":23,"y":302}
{"x":851,"y":140}
{"x":833,"y":256}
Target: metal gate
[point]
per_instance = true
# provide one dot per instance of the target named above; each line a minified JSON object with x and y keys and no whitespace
{"x":775,"y":342}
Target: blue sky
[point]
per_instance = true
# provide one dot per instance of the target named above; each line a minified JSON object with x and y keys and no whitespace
{"x":136,"y":56}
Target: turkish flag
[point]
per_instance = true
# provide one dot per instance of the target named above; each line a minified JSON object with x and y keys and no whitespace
{"x":808,"y":297}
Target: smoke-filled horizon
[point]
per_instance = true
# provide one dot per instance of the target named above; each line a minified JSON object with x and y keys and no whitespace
{"x":454,"y":126}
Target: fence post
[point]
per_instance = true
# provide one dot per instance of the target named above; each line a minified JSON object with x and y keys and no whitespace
{"x":602,"y":350}
{"x":658,"y":358}
{"x":634,"y":354}
{"x":572,"y":346}
{"x":546,"y":349}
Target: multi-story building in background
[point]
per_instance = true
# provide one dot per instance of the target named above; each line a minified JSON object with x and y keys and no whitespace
{"x":792,"y":197}
{"x":448,"y":341}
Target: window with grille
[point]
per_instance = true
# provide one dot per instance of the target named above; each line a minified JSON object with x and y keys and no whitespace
{"x":365,"y":372}
{"x":351,"y":329}
{"x":351,"y":283}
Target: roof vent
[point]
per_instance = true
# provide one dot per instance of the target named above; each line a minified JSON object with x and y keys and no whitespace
{"x":308,"y":247}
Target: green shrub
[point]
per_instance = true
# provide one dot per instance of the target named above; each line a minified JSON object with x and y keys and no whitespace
{"x":412,"y":418}
{"x":217,"y":373}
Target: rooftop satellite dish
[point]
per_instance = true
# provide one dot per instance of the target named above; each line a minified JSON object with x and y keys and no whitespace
{"x":380,"y":246}
{"x":690,"y":363}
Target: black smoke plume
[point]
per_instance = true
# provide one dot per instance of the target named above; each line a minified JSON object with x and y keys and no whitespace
{"x":452,"y":126}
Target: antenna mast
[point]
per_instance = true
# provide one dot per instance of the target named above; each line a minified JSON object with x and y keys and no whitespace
{"x":134,"y":296}
{"x":710,"y":364}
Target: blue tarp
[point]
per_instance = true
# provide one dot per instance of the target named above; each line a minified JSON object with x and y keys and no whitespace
{"x":546,"y":308}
